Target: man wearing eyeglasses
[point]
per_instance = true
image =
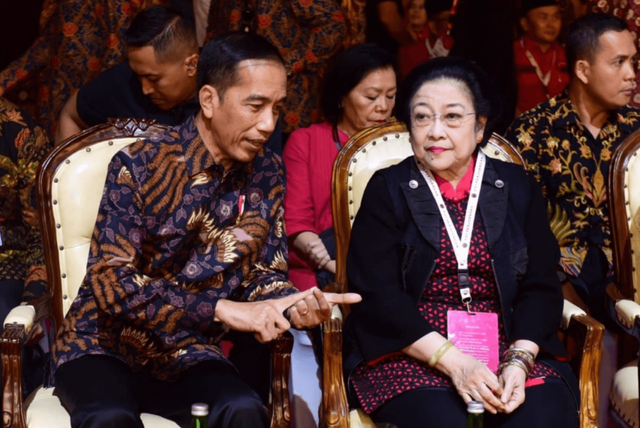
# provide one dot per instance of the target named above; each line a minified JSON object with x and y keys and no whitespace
{"x":567,"y":143}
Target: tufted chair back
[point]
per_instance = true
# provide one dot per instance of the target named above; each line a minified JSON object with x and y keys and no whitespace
{"x":373,"y":149}
{"x":624,"y":196}
{"x":624,"y":295}
{"x":69,"y":189}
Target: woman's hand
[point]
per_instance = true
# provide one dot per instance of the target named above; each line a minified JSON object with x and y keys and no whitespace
{"x":512,"y":379}
{"x":313,"y":248}
{"x":472,"y":379}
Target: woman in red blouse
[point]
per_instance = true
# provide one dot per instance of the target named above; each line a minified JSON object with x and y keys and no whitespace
{"x":359,"y":92}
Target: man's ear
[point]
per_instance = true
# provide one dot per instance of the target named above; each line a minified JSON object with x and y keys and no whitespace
{"x":209,"y":101}
{"x":524,"y":24}
{"x":191,"y":62}
{"x":583,"y":70}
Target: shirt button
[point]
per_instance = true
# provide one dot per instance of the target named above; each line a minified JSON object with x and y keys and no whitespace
{"x":413,"y":184}
{"x":499,"y":184}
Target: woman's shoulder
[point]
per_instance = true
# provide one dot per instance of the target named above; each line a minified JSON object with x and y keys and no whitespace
{"x":308,"y":137}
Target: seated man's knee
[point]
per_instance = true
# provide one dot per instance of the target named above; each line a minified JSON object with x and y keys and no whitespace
{"x":241,"y":411}
{"x":105,"y":415}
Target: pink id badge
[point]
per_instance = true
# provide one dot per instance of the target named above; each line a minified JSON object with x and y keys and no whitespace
{"x":475,"y":335}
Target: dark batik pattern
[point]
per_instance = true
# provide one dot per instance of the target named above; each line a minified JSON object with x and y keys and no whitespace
{"x":24,"y":147}
{"x":169,"y":243}
{"x":376,"y":382}
{"x":572,"y":168}
{"x":305,"y":32}
{"x":78,"y":40}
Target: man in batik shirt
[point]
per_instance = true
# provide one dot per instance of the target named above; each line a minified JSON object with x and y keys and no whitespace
{"x":23,"y":146}
{"x":567,"y":142}
{"x":189,"y":244}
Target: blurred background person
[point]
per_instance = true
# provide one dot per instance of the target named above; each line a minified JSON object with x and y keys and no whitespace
{"x":541,"y":65}
{"x":23,"y":278}
{"x":428,"y":23}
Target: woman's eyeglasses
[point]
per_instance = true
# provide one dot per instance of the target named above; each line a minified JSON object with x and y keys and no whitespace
{"x":450,"y":120}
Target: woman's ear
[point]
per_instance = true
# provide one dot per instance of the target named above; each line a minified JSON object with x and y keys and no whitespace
{"x":481,"y":123}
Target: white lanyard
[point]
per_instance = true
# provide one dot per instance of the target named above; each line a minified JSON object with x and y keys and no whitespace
{"x":546,"y":78}
{"x":460,"y":243}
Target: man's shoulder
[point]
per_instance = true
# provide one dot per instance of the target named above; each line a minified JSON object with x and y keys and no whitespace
{"x":145,"y":151}
{"x":119,"y":75}
{"x":543,"y":114}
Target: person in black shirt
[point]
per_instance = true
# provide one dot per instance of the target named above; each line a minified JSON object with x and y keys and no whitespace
{"x":157,"y":82}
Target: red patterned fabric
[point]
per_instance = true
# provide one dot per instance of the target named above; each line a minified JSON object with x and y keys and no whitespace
{"x":78,"y":40}
{"x":378,"y":381}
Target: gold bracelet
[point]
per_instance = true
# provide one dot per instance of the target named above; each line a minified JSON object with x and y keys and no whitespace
{"x":439,"y":353}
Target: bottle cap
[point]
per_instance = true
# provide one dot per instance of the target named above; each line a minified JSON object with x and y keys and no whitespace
{"x":475,"y":407}
{"x":200,"y":409}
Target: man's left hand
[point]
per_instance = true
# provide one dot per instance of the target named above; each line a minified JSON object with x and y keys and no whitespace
{"x":316,"y":307}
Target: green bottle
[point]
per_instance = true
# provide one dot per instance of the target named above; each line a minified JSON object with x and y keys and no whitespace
{"x":475,"y":410}
{"x":199,"y":415}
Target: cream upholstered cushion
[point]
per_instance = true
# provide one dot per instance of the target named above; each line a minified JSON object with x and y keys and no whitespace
{"x":627,"y":311}
{"x":570,"y":310}
{"x":624,"y":394}
{"x":382,"y":152}
{"x":45,"y":411}
{"x":21,"y":315}
{"x":359,"y":419}
{"x":632,"y":199}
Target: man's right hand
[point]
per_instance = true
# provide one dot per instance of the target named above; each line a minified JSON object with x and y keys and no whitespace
{"x":265,"y":319}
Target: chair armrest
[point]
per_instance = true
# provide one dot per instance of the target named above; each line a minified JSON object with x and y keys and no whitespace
{"x":280,"y":371}
{"x":570,"y":310}
{"x":335,"y":407}
{"x":11,"y":343}
{"x":24,"y":315}
{"x":627,"y":311}
{"x":586,"y":333}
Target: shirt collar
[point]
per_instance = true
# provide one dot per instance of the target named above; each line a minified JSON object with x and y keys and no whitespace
{"x":198,"y":157}
{"x":462,"y":189}
{"x":565,"y":115}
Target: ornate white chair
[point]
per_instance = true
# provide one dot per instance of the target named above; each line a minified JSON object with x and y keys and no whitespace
{"x":365,"y":153}
{"x":624,"y":294}
{"x":69,"y":188}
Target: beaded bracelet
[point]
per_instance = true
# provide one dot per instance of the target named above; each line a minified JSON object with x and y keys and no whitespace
{"x":439,"y":353}
{"x":517,"y":363}
{"x":521,"y":354}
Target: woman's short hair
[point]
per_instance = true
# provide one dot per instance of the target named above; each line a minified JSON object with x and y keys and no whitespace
{"x":484,"y":93}
{"x":346,"y":71}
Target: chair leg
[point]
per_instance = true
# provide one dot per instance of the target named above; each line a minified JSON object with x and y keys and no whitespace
{"x":11,"y":343}
{"x":335,"y":407}
{"x":281,"y":367}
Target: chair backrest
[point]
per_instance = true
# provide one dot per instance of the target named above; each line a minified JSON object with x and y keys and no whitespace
{"x":70,"y":184}
{"x":366,"y":152}
{"x":624,"y":208}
